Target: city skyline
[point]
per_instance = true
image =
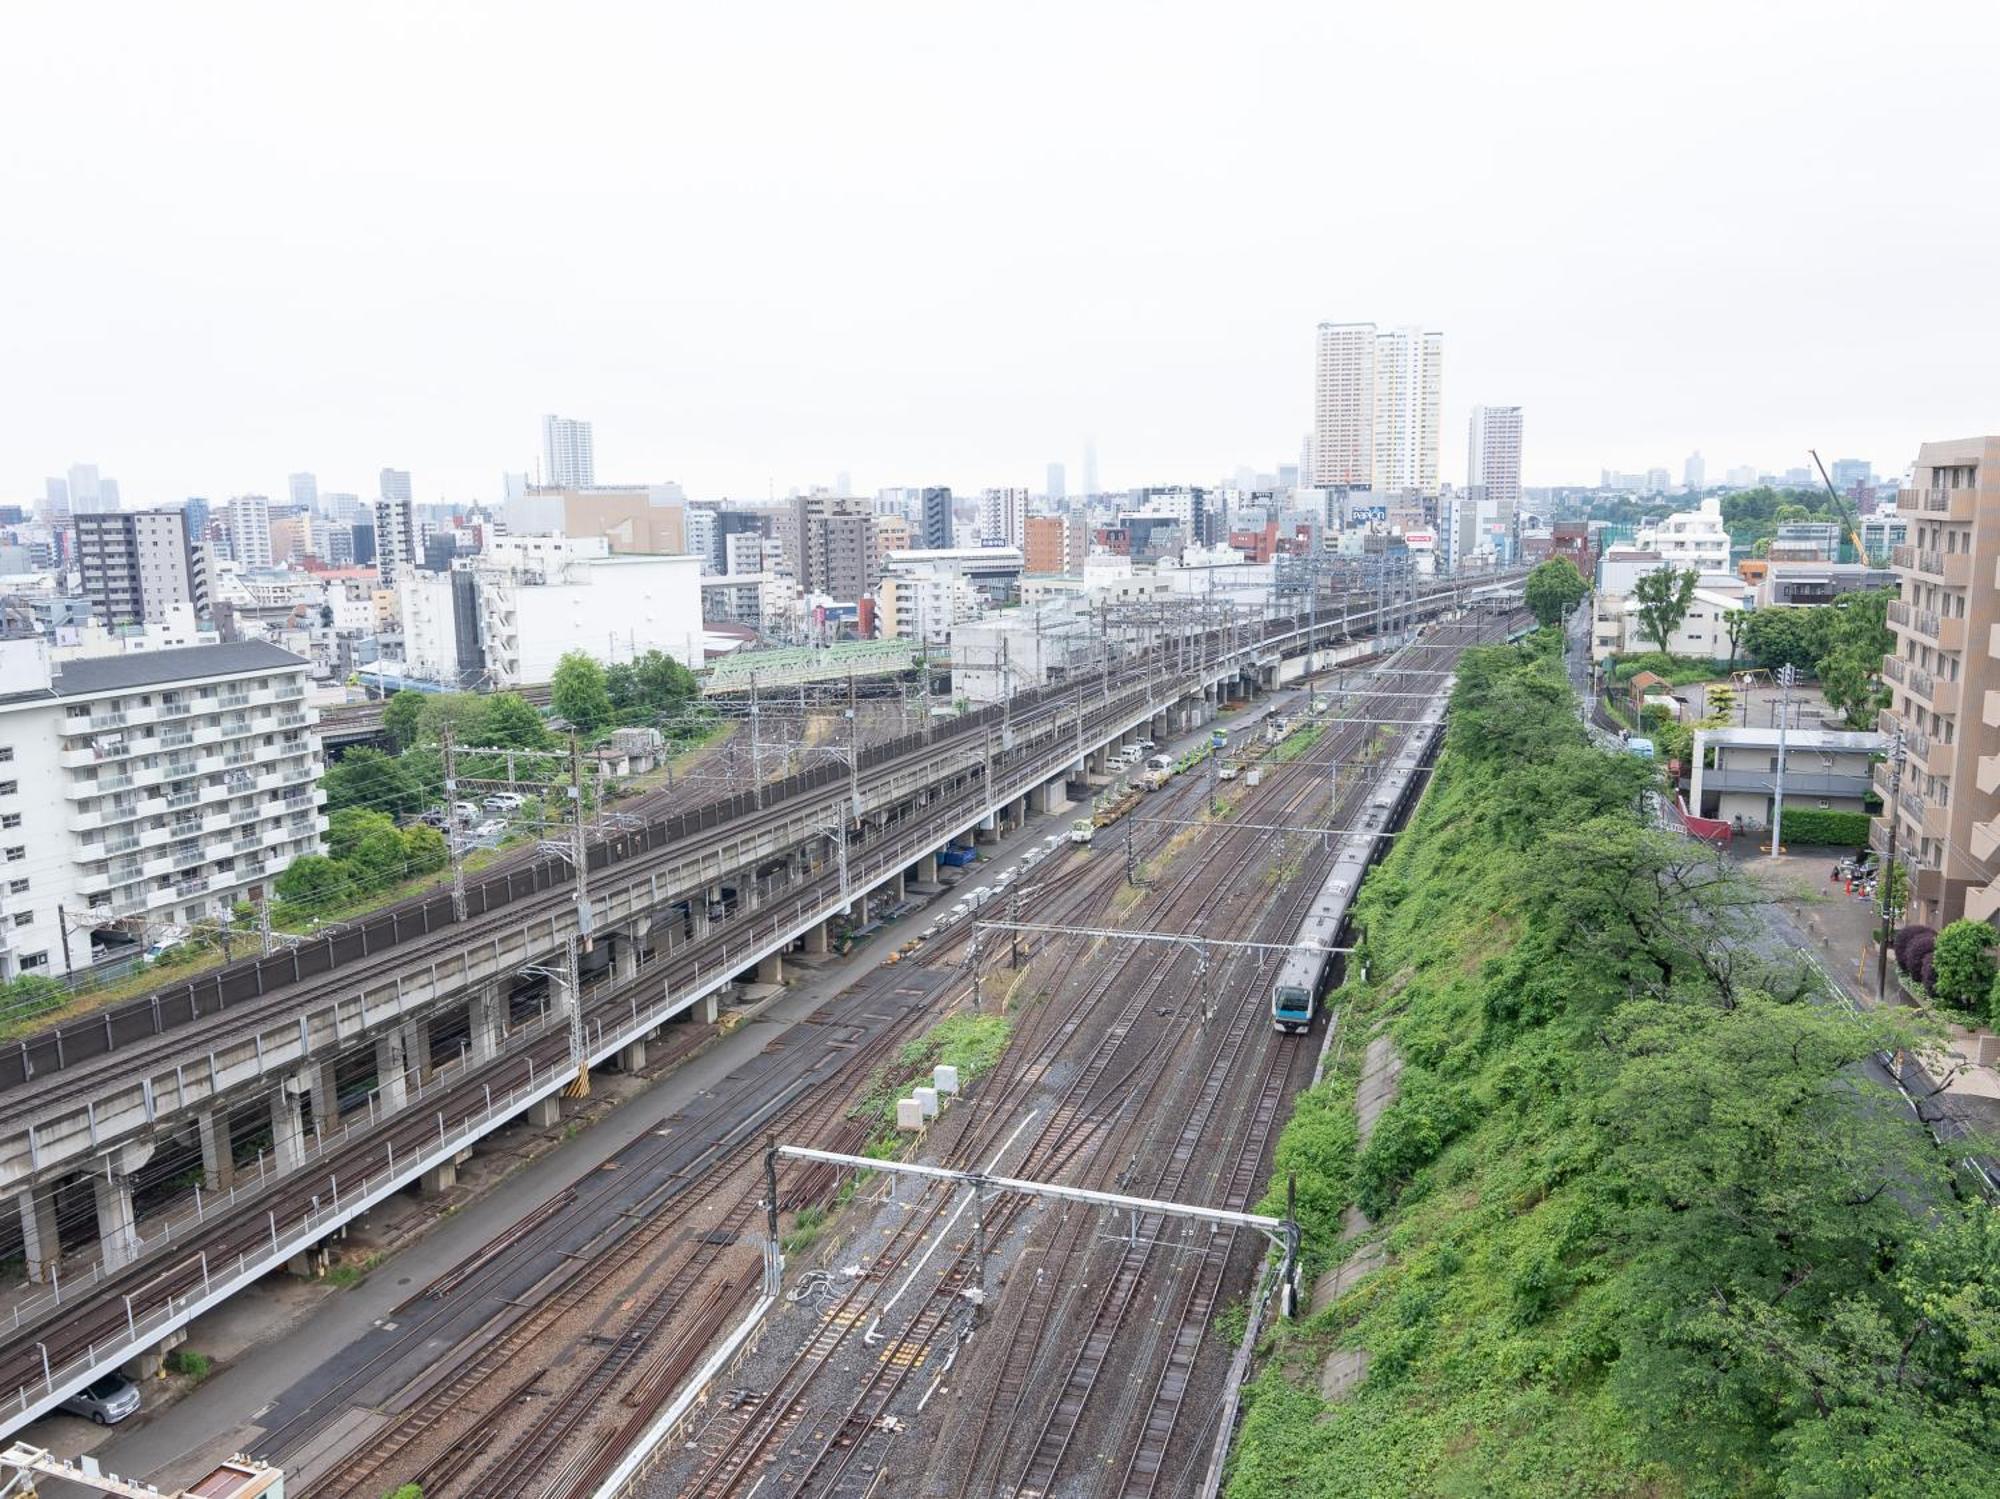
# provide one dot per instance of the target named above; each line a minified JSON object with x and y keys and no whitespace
{"x":255,"y":313}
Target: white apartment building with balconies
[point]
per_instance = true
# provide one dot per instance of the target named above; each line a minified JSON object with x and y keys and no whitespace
{"x":1690,"y":538}
{"x":146,"y":790}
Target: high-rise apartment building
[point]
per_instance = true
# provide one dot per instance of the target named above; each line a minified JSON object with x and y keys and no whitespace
{"x":1848,"y":472}
{"x":394,"y":484}
{"x":936,"y":518}
{"x":145,"y":789}
{"x":304,"y":490}
{"x":136,"y":564}
{"x":830,"y":547}
{"x":1493,"y":467}
{"x":395,"y":537}
{"x":567,"y":459}
{"x":1694,"y":473}
{"x":1944,"y":683}
{"x":1409,"y":393}
{"x":1343,"y":441}
{"x":250,"y":530}
{"x":1003,"y":517}
{"x":1057,"y":487}
{"x":1377,"y":407}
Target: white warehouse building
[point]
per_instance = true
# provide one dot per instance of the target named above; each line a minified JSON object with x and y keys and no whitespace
{"x":146,"y":790}
{"x":505,"y":617}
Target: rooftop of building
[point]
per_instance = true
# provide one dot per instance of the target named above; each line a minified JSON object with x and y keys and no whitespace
{"x":1860,"y":740}
{"x":94,"y":676}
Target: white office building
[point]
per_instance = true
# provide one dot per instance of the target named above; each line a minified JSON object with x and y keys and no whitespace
{"x":304,"y":490}
{"x":1377,"y":407}
{"x":394,"y":484}
{"x":506,"y":616}
{"x":250,"y":530}
{"x":567,"y":459}
{"x":145,"y":790}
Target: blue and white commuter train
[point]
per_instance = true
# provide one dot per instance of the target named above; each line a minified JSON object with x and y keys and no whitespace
{"x":1304,"y":974}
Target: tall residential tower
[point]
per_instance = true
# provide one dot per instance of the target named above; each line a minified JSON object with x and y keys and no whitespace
{"x":567,"y":459}
{"x":1377,"y":405}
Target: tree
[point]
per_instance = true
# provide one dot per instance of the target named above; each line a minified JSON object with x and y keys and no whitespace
{"x":511,"y":722}
{"x":423,"y":849}
{"x":347,"y":827}
{"x":1554,"y":588}
{"x":578,"y":692}
{"x":1786,"y":636}
{"x":377,"y":861}
{"x":369,"y":779}
{"x":1856,"y":638}
{"x":1664,"y":596}
{"x":664,"y":683}
{"x":312,"y":882}
{"x":402,"y":716}
{"x":1734,"y":623}
{"x":1962,"y":964}
{"x":464,"y":713}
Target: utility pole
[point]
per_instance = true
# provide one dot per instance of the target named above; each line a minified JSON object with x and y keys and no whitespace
{"x":756,"y":746}
{"x":1786,"y":676}
{"x":1131,"y":868}
{"x":264,"y":936}
{"x":581,"y":942}
{"x":1887,"y":878}
{"x":453,"y":853}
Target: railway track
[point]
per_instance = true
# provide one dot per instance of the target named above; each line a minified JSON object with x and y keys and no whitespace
{"x":835,"y":1459}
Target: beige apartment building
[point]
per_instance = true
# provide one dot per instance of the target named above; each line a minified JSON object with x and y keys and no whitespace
{"x":1944,"y":679}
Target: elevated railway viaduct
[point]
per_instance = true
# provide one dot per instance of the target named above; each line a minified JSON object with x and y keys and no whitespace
{"x":542,"y":976}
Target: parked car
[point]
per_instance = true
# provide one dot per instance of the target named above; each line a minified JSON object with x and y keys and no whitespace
{"x":108,"y":1401}
{"x":493,"y":827}
{"x":168,"y":939}
{"x":465,"y":811}
{"x":504,"y":801}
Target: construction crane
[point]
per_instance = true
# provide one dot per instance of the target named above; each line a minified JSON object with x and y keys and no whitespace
{"x":1850,"y":524}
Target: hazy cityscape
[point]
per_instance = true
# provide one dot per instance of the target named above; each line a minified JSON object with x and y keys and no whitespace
{"x":902,"y":752}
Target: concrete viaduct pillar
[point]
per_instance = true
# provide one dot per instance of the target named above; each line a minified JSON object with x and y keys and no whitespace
{"x":771,"y":969}
{"x":218,"y":1160}
{"x":632,"y":1056}
{"x":41,"y":1239}
{"x":288,"y":1134}
{"x":117,"y":1226}
{"x":487,"y":1015}
{"x":927,"y":869}
{"x":814,"y":940}
{"x":323,"y":1093}
{"x":392,"y":1068}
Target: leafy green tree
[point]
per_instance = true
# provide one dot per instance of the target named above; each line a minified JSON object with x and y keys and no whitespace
{"x":1850,"y":665}
{"x":663,"y":682}
{"x":511,"y":722}
{"x":464,"y":713}
{"x":578,"y":693}
{"x":377,"y":861}
{"x":1664,"y":597}
{"x":424,"y":849}
{"x":1786,"y":636}
{"x":1962,"y":963}
{"x":369,"y":779}
{"x":1554,"y":588}
{"x":1734,"y":623}
{"x":402,"y":717}
{"x":347,"y":827}
{"x":312,"y":882}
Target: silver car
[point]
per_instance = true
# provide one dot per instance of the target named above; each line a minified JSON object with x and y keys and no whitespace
{"x":108,"y":1401}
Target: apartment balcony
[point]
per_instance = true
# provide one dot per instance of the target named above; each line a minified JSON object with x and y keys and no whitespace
{"x":290,"y":692}
{"x":1938,"y":756}
{"x":293,"y":718}
{"x":1918,"y":683}
{"x":1981,"y":901}
{"x":1895,"y":669}
{"x":1949,"y":504}
{"x":1953,"y":569}
{"x":1944,"y":630}
{"x":1986,"y":774}
{"x":176,"y":738}
{"x":1989,"y":711}
{"x":171,"y":708}
{"x":99,"y":724}
{"x":196,"y":886}
{"x":235,"y":698}
{"x":1984,"y":840}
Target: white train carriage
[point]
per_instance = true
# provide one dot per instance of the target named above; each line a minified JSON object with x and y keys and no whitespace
{"x":1303,"y":976}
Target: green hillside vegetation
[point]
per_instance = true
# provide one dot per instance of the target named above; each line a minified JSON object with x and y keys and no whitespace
{"x":1650,"y":1230}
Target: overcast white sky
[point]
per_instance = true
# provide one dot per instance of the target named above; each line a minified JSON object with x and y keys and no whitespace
{"x":760,"y":244}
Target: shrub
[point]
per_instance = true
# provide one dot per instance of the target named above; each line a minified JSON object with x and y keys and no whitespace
{"x":195,"y":1366}
{"x":1962,"y":964}
{"x":1810,"y":826}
